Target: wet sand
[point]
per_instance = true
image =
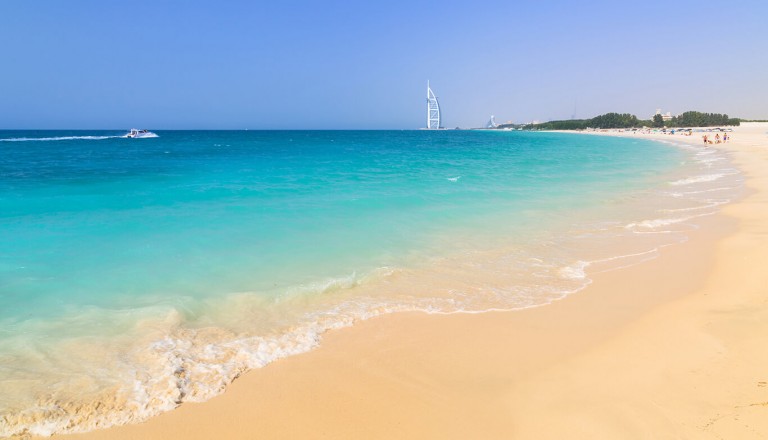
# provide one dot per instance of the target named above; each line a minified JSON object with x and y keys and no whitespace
{"x":671,"y":348}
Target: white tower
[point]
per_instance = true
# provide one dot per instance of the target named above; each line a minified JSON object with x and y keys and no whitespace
{"x":433,"y":110}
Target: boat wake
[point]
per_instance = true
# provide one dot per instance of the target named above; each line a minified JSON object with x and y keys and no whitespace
{"x":60,"y":138}
{"x":138,"y":134}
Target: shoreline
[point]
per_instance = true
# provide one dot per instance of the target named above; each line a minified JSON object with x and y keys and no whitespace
{"x":568,"y":369}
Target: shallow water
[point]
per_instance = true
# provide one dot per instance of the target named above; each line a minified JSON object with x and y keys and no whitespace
{"x":136,"y":274}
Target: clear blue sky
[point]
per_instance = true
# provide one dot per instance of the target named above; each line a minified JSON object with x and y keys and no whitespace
{"x":357,"y":64}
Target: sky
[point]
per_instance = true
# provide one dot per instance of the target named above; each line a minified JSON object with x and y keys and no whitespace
{"x":165,"y":64}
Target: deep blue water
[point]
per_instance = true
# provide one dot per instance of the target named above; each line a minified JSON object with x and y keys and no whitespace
{"x":205,"y":213}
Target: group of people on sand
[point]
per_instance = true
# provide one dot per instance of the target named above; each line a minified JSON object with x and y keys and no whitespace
{"x":717,"y":140}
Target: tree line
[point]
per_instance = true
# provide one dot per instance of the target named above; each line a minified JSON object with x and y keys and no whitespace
{"x":698,"y":119}
{"x":626,"y":120}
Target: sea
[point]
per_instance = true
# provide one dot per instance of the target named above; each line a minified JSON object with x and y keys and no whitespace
{"x":138,"y":274}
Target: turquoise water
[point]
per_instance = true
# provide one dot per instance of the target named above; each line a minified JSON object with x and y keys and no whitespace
{"x":138,"y":271}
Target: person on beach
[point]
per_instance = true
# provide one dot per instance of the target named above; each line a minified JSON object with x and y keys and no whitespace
{"x":717,"y":138}
{"x":705,"y":139}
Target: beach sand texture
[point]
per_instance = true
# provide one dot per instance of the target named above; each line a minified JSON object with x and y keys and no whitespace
{"x":672,"y":348}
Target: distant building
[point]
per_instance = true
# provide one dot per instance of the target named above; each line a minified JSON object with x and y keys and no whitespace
{"x":491,"y":123}
{"x":665,"y":116}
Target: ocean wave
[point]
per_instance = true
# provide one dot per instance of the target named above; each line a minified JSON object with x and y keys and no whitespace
{"x":679,"y":194}
{"x":698,"y":179}
{"x":166,"y":358}
{"x":653,"y":224}
{"x":709,"y":205}
{"x":188,"y":365}
{"x":656,"y":223}
{"x":575,"y":271}
{"x":710,"y":163}
{"x":628,"y":260}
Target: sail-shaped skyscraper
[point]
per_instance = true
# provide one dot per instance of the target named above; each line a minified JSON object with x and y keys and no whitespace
{"x":433,"y":110}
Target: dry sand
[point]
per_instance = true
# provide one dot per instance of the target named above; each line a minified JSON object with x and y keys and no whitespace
{"x":673,"y":348}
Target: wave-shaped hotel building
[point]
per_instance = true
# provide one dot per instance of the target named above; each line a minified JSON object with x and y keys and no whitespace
{"x":433,"y":110}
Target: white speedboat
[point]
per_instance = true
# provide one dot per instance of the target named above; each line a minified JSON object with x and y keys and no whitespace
{"x":135,"y":133}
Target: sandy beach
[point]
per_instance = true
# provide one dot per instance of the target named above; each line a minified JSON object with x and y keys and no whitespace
{"x":671,"y":348}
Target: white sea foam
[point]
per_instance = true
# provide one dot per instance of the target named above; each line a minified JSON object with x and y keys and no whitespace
{"x":190,"y":366}
{"x":660,"y":222}
{"x":679,"y":194}
{"x":707,"y":204}
{"x":628,"y":260}
{"x":698,"y":179}
{"x":575,"y":271}
{"x":653,"y":224}
{"x":709,"y":160}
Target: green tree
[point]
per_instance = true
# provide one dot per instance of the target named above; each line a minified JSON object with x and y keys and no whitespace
{"x":658,"y":120}
{"x":614,"y":120}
